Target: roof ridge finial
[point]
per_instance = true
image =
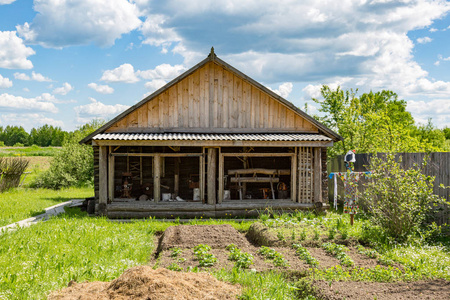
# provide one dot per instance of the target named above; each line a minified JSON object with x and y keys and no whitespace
{"x":212,"y":55}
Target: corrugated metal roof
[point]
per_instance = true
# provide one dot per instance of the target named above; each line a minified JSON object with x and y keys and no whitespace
{"x":292,"y":137}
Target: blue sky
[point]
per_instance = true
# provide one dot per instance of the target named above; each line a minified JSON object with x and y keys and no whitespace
{"x":65,"y":62}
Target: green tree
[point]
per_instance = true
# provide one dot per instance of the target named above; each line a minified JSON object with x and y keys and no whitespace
{"x":47,"y":135}
{"x":372,"y":122}
{"x":74,"y":164}
{"x":15,"y":134}
{"x":431,"y":136}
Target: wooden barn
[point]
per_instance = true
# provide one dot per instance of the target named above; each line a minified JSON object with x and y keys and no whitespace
{"x":213,"y":143}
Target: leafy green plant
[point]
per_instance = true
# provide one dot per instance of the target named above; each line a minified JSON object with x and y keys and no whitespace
{"x":175,"y":252}
{"x":304,"y":254}
{"x":280,"y":236}
{"x":398,"y":200}
{"x":338,"y":251}
{"x":205,"y":259}
{"x":293,"y":235}
{"x":303,"y":234}
{"x":175,"y":267}
{"x":367,"y":252}
{"x":316,"y":236}
{"x":278,"y":259}
{"x":331,"y":233}
{"x":242,"y":259}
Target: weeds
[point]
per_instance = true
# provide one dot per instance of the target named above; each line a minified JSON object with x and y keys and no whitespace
{"x":338,"y":251}
{"x":278,"y":258}
{"x":205,"y":259}
{"x":242,"y":259}
{"x":304,"y":254}
{"x":175,"y":267}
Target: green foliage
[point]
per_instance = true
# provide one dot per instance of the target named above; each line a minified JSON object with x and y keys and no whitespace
{"x":175,"y":252}
{"x":11,"y":171}
{"x":278,"y":258}
{"x":399,"y":200}
{"x":48,"y":255}
{"x":259,"y":285}
{"x":432,"y":137}
{"x":18,"y":145}
{"x":175,"y":267}
{"x":338,"y":251}
{"x":12,"y":135}
{"x":378,"y":274}
{"x":74,"y":164}
{"x":205,"y":259}
{"x":242,"y":259}
{"x":373,"y":122}
{"x":304,"y":254}
{"x":47,"y":135}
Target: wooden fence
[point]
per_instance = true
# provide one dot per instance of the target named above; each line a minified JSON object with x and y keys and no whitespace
{"x":438,"y":166}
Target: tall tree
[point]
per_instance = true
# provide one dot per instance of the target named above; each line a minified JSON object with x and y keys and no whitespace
{"x":372,"y":122}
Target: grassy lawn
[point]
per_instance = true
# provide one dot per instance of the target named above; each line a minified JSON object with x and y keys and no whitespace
{"x":22,"y":203}
{"x":29,"y":151}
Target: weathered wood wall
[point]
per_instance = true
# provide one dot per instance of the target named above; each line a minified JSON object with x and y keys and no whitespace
{"x":213,"y":99}
{"x":96,"y":168}
{"x":438,"y":166}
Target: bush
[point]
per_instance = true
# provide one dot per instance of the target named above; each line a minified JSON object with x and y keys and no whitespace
{"x":399,"y":200}
{"x":18,"y":145}
{"x":74,"y":164}
{"x":11,"y":170}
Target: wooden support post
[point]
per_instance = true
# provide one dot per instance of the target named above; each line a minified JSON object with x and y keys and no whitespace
{"x":202,"y":176}
{"x":212,"y":175}
{"x":111,"y":176}
{"x":317,"y":174}
{"x":103,"y":179}
{"x":157,"y":177}
{"x":300,"y":175}
{"x":221,"y":177}
{"x":294,"y":183}
{"x":176,"y":179}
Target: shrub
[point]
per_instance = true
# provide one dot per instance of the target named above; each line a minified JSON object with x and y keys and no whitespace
{"x":399,"y":200}
{"x":74,"y":164}
{"x":11,"y":170}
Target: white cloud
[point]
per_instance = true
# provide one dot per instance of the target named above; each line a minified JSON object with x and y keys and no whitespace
{"x":102,"y":89}
{"x":28,"y":120}
{"x":155,"y":84}
{"x":433,"y":30}
{"x":64,"y":89}
{"x":284,"y":89}
{"x":312,"y":91}
{"x":3,"y":2}
{"x":26,"y":89}
{"x":5,"y":82}
{"x":156,"y":34}
{"x":424,"y":40}
{"x":13,"y":53}
{"x":163,"y":71}
{"x":123,"y":73}
{"x":438,"y":109}
{"x":12,"y":102}
{"x":96,"y":109}
{"x":60,"y":23}
{"x":34,"y":76}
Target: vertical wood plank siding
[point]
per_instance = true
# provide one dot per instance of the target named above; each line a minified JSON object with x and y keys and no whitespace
{"x":213,"y":97}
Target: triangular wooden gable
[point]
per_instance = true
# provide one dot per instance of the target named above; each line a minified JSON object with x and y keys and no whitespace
{"x":213,"y":99}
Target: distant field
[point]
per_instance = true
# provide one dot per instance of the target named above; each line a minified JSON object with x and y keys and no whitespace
{"x":29,"y":151}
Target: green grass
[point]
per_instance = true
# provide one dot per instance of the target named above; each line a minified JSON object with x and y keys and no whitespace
{"x":29,"y":151}
{"x":22,"y":203}
{"x":46,"y":256}
{"x":263,"y":285}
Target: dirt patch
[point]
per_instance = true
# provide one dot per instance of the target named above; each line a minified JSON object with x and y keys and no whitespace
{"x":142,"y":283}
{"x":262,"y":236}
{"x":435,"y":289}
{"x":189,"y":236}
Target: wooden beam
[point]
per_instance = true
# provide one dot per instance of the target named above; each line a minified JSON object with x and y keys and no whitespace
{"x":176,"y":180}
{"x":102,"y":179}
{"x":260,"y":171}
{"x":209,"y":143}
{"x":294,"y":183}
{"x":221,"y":177}
{"x":254,"y":179}
{"x":160,"y":154}
{"x":252,"y":154}
{"x":202,"y":176}
{"x":212,"y":175}
{"x":317,"y":175}
{"x":157,"y":178}
{"x":111,"y":176}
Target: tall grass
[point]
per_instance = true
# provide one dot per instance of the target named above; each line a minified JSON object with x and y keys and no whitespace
{"x":46,"y":256}
{"x":11,"y":170}
{"x":22,"y":203}
{"x":29,"y":151}
{"x":265,"y":285}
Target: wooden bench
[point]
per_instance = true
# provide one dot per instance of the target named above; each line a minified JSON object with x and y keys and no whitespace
{"x":272,"y":176}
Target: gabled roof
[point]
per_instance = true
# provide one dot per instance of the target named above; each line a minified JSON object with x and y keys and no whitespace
{"x":213,"y":58}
